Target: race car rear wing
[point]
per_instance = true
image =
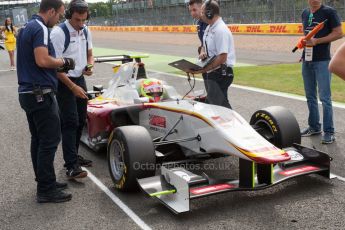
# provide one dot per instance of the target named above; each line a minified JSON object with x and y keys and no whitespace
{"x":122,"y":58}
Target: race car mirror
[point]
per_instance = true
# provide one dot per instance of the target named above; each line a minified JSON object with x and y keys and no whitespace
{"x":98,"y":88}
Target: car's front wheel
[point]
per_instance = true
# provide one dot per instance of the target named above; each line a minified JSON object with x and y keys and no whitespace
{"x":131,"y":156}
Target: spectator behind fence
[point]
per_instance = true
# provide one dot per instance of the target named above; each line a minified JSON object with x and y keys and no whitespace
{"x":38,"y":82}
{"x":337,"y":64}
{"x":316,"y":76}
{"x":10,"y":40}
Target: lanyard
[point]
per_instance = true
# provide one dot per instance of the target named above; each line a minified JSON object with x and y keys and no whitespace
{"x":207,"y":32}
{"x":206,"y":42}
{"x":310,"y":19}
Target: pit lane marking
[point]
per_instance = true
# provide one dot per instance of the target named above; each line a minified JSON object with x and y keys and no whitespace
{"x":117,"y":201}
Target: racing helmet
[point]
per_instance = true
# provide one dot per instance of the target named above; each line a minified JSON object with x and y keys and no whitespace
{"x":152,"y":89}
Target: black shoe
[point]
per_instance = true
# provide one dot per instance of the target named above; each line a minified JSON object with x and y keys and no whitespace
{"x":60,"y":185}
{"x":84,"y":162}
{"x":54,"y":196}
{"x":76,"y":172}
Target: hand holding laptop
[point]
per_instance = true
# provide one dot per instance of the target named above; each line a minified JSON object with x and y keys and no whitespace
{"x":190,"y":67}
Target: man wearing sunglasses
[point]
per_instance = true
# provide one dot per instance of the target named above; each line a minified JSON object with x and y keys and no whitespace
{"x":316,"y":76}
{"x":72,"y":39}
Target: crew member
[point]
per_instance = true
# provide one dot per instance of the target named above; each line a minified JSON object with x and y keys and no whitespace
{"x":194,"y":7}
{"x":37,"y":86}
{"x":217,"y":41}
{"x":72,"y":39}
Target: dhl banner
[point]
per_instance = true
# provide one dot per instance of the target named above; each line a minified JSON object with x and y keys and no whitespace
{"x":171,"y":29}
{"x":270,"y":29}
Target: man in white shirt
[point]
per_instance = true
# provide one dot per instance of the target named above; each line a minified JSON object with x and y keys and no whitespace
{"x":218,"y":41}
{"x":73,"y":39}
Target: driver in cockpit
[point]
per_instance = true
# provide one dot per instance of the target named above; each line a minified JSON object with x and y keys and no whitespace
{"x":151,"y":89}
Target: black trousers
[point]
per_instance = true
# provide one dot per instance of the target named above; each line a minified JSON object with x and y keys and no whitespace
{"x":73,"y":118}
{"x":45,"y":129}
{"x":217,"y":84}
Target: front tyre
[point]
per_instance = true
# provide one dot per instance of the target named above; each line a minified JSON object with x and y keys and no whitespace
{"x":131,"y":156}
{"x":278,"y":125}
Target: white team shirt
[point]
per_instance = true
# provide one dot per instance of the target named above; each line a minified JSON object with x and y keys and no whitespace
{"x":218,"y":39}
{"x":76,"y":48}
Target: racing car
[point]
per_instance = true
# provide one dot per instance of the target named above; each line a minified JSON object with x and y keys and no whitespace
{"x":144,"y":123}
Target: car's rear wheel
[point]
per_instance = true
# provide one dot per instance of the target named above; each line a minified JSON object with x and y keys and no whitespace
{"x":278,"y":125}
{"x":131,"y":156}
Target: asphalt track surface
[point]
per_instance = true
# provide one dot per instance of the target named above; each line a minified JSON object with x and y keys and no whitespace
{"x":250,"y":49}
{"x":309,"y":202}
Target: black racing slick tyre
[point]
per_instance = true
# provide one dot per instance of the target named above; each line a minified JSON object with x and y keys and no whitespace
{"x":278,"y":125}
{"x":131,"y":156}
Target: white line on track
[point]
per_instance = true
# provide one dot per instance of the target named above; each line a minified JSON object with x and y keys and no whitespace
{"x":264,"y":91}
{"x":118,"y":202}
{"x":338,"y":177}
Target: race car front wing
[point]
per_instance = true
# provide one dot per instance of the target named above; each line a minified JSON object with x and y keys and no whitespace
{"x":175,"y":187}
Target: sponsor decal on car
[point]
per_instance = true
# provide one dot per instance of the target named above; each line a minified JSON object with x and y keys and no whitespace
{"x":299,"y":170}
{"x":211,"y":188}
{"x":270,"y":121}
{"x":157,"y":121}
{"x":227,"y":122}
{"x":295,"y":156}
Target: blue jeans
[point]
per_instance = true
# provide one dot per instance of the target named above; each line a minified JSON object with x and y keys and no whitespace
{"x":44,"y":125}
{"x":73,"y":118}
{"x":317,"y":78}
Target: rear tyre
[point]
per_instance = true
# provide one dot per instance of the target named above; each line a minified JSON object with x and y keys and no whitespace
{"x":278,"y":125}
{"x":131,"y":156}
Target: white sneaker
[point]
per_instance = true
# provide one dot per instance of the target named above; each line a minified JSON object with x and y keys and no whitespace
{"x":13,"y":68}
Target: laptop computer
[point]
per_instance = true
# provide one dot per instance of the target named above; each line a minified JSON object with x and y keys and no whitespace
{"x":188,"y":66}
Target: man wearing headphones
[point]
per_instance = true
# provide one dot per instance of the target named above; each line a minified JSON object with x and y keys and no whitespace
{"x":72,"y":39}
{"x":218,"y":42}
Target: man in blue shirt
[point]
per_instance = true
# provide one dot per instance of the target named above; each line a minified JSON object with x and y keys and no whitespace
{"x":194,"y":7}
{"x":37,"y":83}
{"x":316,"y":76}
